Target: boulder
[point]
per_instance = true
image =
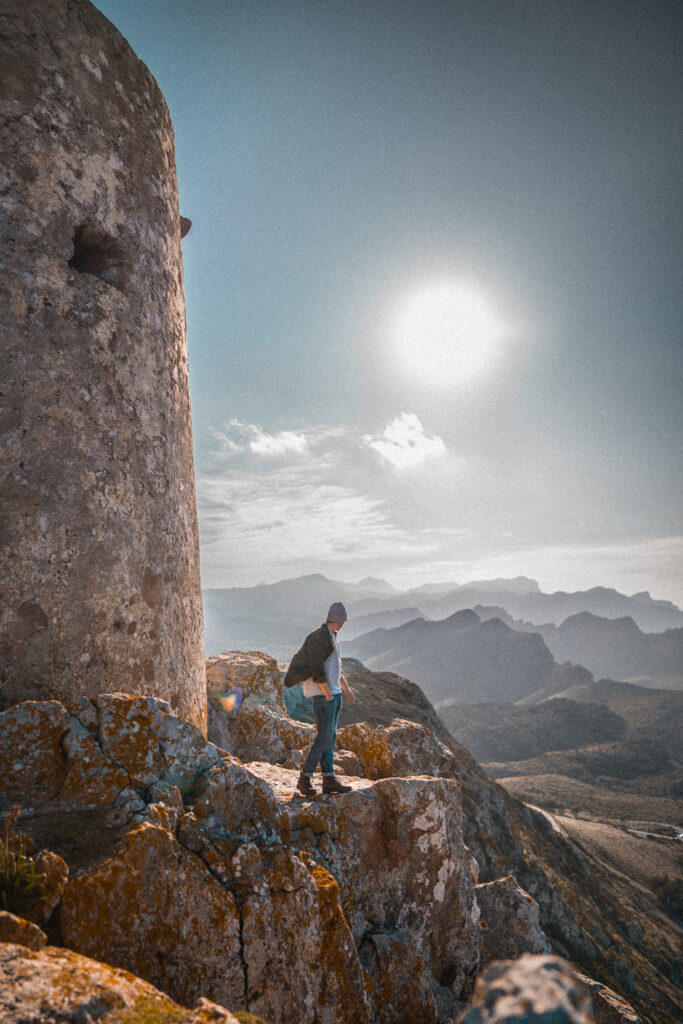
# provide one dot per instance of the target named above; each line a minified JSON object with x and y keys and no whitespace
{"x":510,"y":921}
{"x":531,"y":990}
{"x":21,"y":932}
{"x":92,"y":779}
{"x":107,"y":747}
{"x":395,"y":848}
{"x":155,"y":909}
{"x":276,"y":942}
{"x":60,"y":985}
{"x":258,"y":727}
{"x":256,"y":675}
{"x":32,"y":763}
{"x":55,"y":876}
{"x":301,"y":962}
{"x":142,"y":736}
{"x":401,"y":748}
{"x":236,"y":805}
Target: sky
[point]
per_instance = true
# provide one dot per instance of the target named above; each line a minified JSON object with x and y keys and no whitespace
{"x":433,"y":285}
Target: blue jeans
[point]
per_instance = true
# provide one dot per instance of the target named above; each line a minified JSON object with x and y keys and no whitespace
{"x":326,"y":713}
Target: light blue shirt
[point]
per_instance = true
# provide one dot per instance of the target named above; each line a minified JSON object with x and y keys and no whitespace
{"x":333,"y":667}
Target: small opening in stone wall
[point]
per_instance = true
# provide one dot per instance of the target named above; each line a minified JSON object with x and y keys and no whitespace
{"x":99,"y":254}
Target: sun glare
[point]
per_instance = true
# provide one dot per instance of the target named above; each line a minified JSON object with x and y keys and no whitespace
{"x":447,"y":334}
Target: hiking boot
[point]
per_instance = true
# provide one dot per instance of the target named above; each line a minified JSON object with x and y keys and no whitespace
{"x":304,"y":785}
{"x":331,"y":785}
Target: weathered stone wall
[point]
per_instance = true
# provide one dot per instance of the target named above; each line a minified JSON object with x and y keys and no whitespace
{"x":98,"y":533}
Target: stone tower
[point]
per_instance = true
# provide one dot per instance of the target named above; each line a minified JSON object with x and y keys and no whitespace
{"x":99,"y":563}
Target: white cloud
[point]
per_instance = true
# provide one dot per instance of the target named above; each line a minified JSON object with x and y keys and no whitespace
{"x":278,"y":444}
{"x":404,"y":442}
{"x":240,"y":437}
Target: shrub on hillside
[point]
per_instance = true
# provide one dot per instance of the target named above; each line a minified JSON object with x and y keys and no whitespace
{"x":20,"y":878}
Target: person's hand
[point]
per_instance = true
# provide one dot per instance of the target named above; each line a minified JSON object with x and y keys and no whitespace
{"x":328,"y":695}
{"x":351,"y":696}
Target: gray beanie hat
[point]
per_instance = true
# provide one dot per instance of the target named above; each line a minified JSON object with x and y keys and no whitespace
{"x":337,"y":613}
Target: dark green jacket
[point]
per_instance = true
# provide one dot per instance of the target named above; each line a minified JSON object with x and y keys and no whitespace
{"x":309,"y":660}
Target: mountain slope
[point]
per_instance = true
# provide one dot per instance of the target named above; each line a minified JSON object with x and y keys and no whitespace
{"x":609,"y":648}
{"x":462,"y":658}
{"x":508,"y":732}
{"x":593,"y":914}
{"x":651,"y":616}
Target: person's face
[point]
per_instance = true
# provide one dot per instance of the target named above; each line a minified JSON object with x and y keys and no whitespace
{"x":335,"y":626}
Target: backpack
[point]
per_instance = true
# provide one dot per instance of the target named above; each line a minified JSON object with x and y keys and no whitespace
{"x":299,"y":668}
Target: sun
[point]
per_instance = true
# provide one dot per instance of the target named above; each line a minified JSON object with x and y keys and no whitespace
{"x":447,"y":334}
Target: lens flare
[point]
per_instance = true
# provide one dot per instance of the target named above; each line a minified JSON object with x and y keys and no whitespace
{"x":231,"y":700}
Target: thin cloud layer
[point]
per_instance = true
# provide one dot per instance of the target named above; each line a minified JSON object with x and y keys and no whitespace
{"x":404,"y":442}
{"x":284,"y":519}
{"x":240,"y":437}
{"x":278,"y":504}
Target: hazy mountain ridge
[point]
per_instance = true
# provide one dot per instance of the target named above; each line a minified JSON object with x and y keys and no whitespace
{"x":276,"y":616}
{"x":609,"y":648}
{"x":462,"y":658}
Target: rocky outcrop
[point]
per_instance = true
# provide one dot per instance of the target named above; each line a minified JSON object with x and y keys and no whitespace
{"x":249,"y":718}
{"x":99,"y":754}
{"x":510,"y":921}
{"x":225,"y":884}
{"x":155,"y":909}
{"x":544,"y":990}
{"x":588,"y":912}
{"x":61,"y":986}
{"x":608,"y":1007}
{"x":99,"y":552}
{"x":401,"y":748}
{"x":211,"y":877}
{"x":254,"y":726}
{"x":21,"y":932}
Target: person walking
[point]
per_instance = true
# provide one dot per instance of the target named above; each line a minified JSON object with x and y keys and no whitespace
{"x":325,"y":686}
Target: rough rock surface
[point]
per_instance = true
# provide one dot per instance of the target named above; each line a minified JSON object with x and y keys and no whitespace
{"x":215,"y":878}
{"x":46,"y":753}
{"x":98,"y":536}
{"x":55,"y":874}
{"x":592,"y":915}
{"x":224,"y":883}
{"x":510,"y":921}
{"x":531,"y":990}
{"x":21,"y":932}
{"x":156,"y":910}
{"x":258,"y":728}
{"x":400,"y":748}
{"x":395,"y":847}
{"x":397,"y":981}
{"x":608,"y":1007}
{"x":62,"y":987}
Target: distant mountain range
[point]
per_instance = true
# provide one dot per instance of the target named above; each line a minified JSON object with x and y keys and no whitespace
{"x":609,"y":633}
{"x":463,"y":658}
{"x":609,"y":648}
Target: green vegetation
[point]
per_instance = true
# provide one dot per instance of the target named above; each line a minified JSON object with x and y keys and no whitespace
{"x":20,"y":879}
